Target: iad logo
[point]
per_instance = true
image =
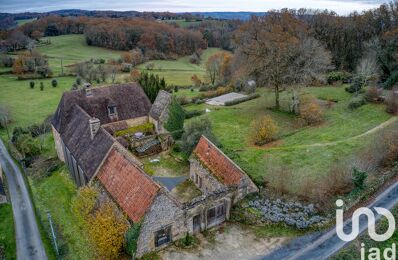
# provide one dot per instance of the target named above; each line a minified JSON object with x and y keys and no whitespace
{"x":371,"y":223}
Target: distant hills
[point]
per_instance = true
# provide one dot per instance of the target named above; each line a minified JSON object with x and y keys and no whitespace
{"x":229,"y":15}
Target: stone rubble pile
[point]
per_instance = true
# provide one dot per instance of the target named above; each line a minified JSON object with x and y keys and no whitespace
{"x":291,"y":213}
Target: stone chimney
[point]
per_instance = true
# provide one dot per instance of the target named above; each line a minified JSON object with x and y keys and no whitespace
{"x":95,"y":125}
{"x":88,"y":89}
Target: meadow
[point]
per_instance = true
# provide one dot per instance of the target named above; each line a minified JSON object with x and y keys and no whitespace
{"x":308,"y":150}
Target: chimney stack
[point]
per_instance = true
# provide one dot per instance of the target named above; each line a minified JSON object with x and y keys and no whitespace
{"x":95,"y":125}
{"x":87,"y":88}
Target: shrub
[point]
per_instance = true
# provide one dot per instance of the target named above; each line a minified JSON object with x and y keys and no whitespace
{"x":373,"y":94}
{"x":27,"y":145}
{"x":310,"y":112}
{"x":356,"y":86}
{"x":204,"y":88}
{"x":106,"y":230}
{"x":241,"y":100}
{"x":182,"y":100}
{"x":193,"y":113}
{"x":192,"y":133}
{"x":54,"y":83}
{"x":356,"y":102}
{"x":78,"y":81}
{"x":41,"y":86}
{"x":32,"y":84}
{"x":83,"y":203}
{"x":359,"y":178}
{"x":278,"y":178}
{"x":336,"y":76}
{"x":175,"y":89}
{"x":126,"y":67}
{"x":391,"y":81}
{"x":218,"y":92}
{"x":150,"y":66}
{"x":132,"y":238}
{"x":175,"y":122}
{"x":392,"y":101}
{"x":263,"y":130}
{"x":188,"y":241}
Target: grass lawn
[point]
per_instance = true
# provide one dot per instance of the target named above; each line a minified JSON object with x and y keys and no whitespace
{"x":7,"y":235}
{"x":179,"y":72}
{"x":54,"y":194}
{"x":24,"y":21}
{"x":294,"y":149}
{"x":73,"y":49}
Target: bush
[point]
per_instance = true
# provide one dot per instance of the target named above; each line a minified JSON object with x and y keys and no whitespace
{"x":83,"y":204}
{"x":392,"y":102}
{"x":32,"y":84}
{"x":193,"y":113}
{"x":218,"y":92}
{"x":54,"y":83}
{"x":356,"y":86}
{"x":241,"y":100}
{"x":204,"y":88}
{"x":263,"y":130}
{"x":41,"y":86}
{"x":78,"y":81}
{"x":373,"y":95}
{"x":336,"y":76}
{"x":359,"y":178}
{"x":27,"y":145}
{"x":279,"y":179}
{"x":126,"y":67}
{"x":183,"y":100}
{"x":132,"y":238}
{"x":175,"y":89}
{"x":356,"y":102}
{"x":391,"y":81}
{"x":310,"y":112}
{"x":192,"y":133}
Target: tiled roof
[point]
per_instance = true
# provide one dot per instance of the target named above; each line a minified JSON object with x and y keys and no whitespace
{"x":131,"y":188}
{"x":223,"y":168}
{"x":129,"y":99}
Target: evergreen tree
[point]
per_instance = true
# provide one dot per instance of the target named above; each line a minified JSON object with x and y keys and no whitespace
{"x":175,"y":122}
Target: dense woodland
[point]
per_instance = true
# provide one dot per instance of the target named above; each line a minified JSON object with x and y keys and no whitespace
{"x":347,"y":38}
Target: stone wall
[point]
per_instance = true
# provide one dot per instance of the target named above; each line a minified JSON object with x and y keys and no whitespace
{"x":58,"y":144}
{"x":208,"y":183}
{"x":164,"y":212}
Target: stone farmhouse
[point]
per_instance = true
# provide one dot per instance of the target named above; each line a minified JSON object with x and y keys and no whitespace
{"x":83,"y":128}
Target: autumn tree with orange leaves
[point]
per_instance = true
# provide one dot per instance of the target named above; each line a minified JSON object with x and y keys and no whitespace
{"x":277,"y":52}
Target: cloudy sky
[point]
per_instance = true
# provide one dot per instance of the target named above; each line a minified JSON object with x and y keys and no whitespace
{"x":340,"y":6}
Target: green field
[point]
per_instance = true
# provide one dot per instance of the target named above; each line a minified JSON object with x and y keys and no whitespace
{"x":179,"y":72}
{"x":7,"y":236}
{"x":54,"y":194}
{"x":296,"y":147}
{"x":24,"y":21}
{"x":182,"y":22}
{"x":73,"y":49}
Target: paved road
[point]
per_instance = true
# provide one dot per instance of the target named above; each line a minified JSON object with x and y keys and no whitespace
{"x":323,"y":245}
{"x":29,"y":244}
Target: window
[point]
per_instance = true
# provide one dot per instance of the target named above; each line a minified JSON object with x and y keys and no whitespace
{"x":112,"y":110}
{"x":220,"y":211}
{"x":211,"y":215}
{"x":163,"y":236}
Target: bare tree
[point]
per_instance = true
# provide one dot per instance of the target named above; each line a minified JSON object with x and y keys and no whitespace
{"x":278,"y":53}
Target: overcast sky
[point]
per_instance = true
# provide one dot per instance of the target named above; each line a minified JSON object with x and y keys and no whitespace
{"x":340,"y":6}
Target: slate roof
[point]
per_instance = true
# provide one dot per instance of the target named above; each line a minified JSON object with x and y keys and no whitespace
{"x":130,"y":101}
{"x":161,"y":103}
{"x":77,"y":138}
{"x":128,"y":185}
{"x":223,"y":168}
